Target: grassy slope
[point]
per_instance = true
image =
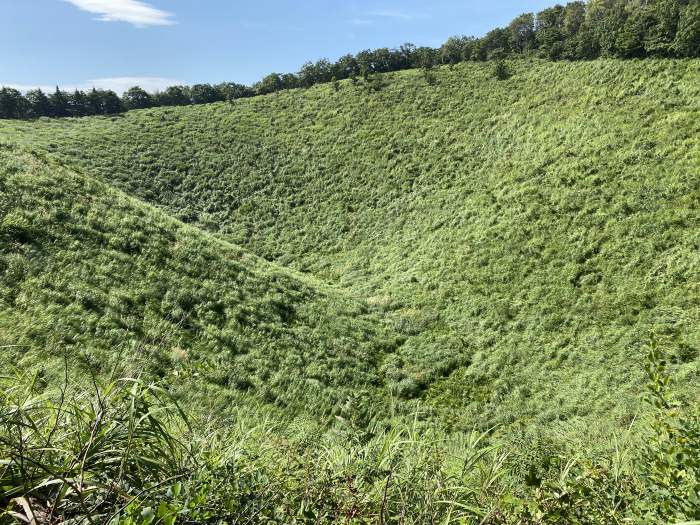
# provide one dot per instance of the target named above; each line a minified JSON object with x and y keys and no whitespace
{"x":123,"y":286}
{"x":523,"y":236}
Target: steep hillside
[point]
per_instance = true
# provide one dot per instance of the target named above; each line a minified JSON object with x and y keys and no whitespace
{"x":96,"y":276}
{"x":522,"y":237}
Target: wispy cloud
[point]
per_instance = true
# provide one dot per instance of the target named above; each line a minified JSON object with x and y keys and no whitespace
{"x":396,"y":14}
{"x":134,"y":12}
{"x":121,"y":84}
{"x":117,"y":84}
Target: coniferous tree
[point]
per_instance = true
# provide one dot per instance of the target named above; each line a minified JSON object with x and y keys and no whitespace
{"x":59,"y":103}
{"x":78,"y":104}
{"x":94,"y":102}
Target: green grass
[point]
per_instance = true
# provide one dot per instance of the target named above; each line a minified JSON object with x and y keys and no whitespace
{"x":486,"y":253}
{"x":126,"y":453}
{"x":122,"y":289}
{"x":521,"y":237}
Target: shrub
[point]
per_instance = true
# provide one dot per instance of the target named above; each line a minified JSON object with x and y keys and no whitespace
{"x":501,"y":71}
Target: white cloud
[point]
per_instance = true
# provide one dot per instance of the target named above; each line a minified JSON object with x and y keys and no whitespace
{"x":121,"y":84}
{"x":117,"y":84}
{"x":134,"y":12}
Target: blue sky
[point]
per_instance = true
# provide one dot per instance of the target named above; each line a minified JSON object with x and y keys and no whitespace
{"x":153,"y":43}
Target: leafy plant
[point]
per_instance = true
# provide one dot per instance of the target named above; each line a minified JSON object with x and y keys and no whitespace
{"x":670,"y":459}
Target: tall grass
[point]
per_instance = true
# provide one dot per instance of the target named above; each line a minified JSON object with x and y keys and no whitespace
{"x":87,"y":453}
{"x":126,"y":453}
{"x":489,"y":252}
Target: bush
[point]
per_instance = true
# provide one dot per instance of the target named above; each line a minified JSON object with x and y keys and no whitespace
{"x":501,"y":71}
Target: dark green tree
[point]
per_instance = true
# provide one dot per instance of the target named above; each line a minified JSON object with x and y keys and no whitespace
{"x":173,"y":96}
{"x":365,"y":63}
{"x":406,"y":56}
{"x":137,"y":98}
{"x":457,"y":49}
{"x":78,"y":104}
{"x":494,"y":46}
{"x":94,"y":102}
{"x":346,"y":67}
{"x":13,"y":105}
{"x":501,"y":71}
{"x":39,"y":105}
{"x":289,"y":81}
{"x":687,"y":41}
{"x":232,"y":91}
{"x":111,"y":103}
{"x":607,"y":18}
{"x":426,"y":58}
{"x":522,"y":33}
{"x":204,"y":94}
{"x":633,"y":32}
{"x":315,"y":73}
{"x":660,"y":36}
{"x":550,"y":32}
{"x":59,"y":103}
{"x":578,"y":39}
{"x":270,"y":84}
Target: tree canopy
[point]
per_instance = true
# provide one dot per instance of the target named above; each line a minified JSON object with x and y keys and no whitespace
{"x":626,"y":29}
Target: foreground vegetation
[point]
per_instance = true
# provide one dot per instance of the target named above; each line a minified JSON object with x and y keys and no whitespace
{"x":126,"y":453}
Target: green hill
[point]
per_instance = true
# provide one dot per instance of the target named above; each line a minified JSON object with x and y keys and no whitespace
{"x":521,"y":236}
{"x":120,"y":288}
{"x":476,"y":253}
